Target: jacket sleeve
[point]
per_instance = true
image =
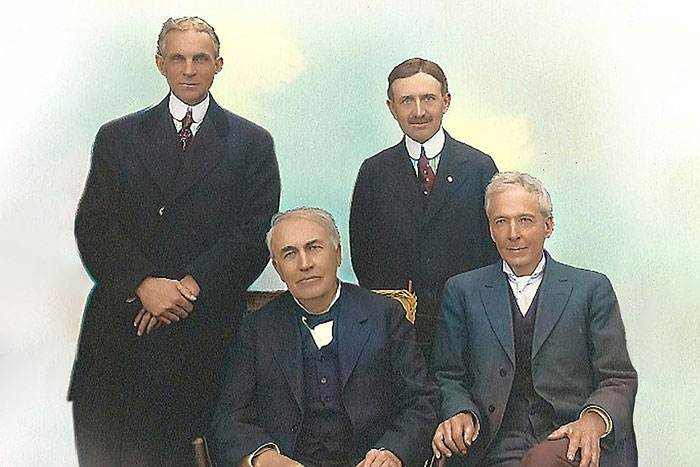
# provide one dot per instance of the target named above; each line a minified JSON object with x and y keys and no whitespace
{"x":111,"y":257}
{"x":237,"y":259}
{"x":450,"y":359}
{"x":233,"y":432}
{"x":614,"y":377}
{"x":364,"y":250}
{"x":413,"y":427}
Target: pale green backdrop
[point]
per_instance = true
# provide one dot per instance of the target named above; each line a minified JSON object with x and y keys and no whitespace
{"x":598,"y":100}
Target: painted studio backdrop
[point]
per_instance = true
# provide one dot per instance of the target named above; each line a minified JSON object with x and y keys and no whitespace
{"x":598,"y":100}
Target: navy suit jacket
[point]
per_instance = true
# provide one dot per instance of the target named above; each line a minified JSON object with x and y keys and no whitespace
{"x":394,"y":239}
{"x":579,"y":352}
{"x":148,"y":209}
{"x":385,"y":388}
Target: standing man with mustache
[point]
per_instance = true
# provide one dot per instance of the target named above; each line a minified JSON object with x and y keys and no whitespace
{"x":416,"y":209}
{"x":171,"y":228}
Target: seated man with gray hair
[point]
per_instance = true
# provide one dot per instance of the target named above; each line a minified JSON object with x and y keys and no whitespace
{"x":530,"y":355}
{"x":328,"y":373}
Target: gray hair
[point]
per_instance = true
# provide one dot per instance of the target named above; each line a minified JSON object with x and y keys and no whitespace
{"x":186,"y":23}
{"x":501,"y":180}
{"x":317,"y":215}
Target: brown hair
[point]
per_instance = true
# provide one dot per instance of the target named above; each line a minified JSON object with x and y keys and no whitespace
{"x":412,"y":66}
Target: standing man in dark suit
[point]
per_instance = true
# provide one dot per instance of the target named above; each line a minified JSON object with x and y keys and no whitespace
{"x":171,"y":229}
{"x":327,"y":374}
{"x":530,"y":355}
{"x":416,"y":210}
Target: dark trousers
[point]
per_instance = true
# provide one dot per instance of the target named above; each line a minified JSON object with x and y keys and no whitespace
{"x":517,"y":444}
{"x":107,"y":434}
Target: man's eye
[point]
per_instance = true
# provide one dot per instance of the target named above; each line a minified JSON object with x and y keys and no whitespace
{"x":176,"y":58}
{"x":316,"y":247}
{"x":200,"y":58}
{"x":430,"y":98}
{"x":406,"y":100}
{"x":288,"y":254}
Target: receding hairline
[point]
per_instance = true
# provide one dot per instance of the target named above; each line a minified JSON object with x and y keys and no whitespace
{"x":188,"y":23}
{"x":318,"y":216}
{"x":501,"y":181}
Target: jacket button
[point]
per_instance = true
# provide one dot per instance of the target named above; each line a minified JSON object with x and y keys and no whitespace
{"x":491,"y":408}
{"x":503,"y":372}
{"x":161,"y":210}
{"x":294,"y":428}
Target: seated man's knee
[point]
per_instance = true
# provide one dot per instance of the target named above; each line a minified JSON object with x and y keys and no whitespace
{"x":548,"y":454}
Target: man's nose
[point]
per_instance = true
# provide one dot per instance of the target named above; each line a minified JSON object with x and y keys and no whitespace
{"x":419,"y":108}
{"x":189,"y":68}
{"x":514,"y":231}
{"x":305,"y":262}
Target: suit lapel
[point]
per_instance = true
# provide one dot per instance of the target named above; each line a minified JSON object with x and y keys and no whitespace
{"x":285,"y":343}
{"x":496,"y":303}
{"x":554,"y":294}
{"x":204,"y":153}
{"x":352,"y":331}
{"x":403,"y":182}
{"x":451,"y":175}
{"x":157,"y":148}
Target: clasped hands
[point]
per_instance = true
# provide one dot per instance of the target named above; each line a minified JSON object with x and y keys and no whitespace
{"x":374,"y":458}
{"x":455,"y":435}
{"x":164,"y":301}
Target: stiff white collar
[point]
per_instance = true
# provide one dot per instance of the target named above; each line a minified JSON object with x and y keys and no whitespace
{"x":433,"y":147}
{"x":178,"y":109}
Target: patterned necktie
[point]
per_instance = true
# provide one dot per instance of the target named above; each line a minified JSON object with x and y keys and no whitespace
{"x":426,"y":176}
{"x":186,"y":132}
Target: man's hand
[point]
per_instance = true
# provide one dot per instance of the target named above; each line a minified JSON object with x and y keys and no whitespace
{"x":147,"y":322}
{"x":584,"y":434}
{"x":380,"y":457}
{"x":271,"y":458}
{"x":453,"y":436}
{"x":166,"y":299}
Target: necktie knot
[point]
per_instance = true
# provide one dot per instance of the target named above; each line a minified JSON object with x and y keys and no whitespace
{"x":186,"y":130}
{"x":426,"y":176}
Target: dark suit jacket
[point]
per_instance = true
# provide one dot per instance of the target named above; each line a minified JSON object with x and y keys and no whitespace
{"x":385,"y":387}
{"x":393,"y":239}
{"x":579,"y":352}
{"x":150,"y":209}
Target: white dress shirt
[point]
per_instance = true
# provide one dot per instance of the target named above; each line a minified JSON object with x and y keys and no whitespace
{"x":178,"y":110}
{"x":433,"y":150}
{"x":525,"y":287}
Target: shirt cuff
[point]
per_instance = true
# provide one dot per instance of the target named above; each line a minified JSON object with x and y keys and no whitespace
{"x":248,"y":461}
{"x":602,"y":414}
{"x":477,"y":425}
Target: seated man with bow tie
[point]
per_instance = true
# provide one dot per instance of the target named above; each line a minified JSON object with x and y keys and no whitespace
{"x":327,"y":374}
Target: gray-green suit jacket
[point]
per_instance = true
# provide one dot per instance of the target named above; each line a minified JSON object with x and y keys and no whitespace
{"x":579,"y":353}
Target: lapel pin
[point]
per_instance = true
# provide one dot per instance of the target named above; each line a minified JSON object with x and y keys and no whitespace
{"x":450,"y":179}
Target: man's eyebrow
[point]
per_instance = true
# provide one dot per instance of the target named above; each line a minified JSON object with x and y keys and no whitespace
{"x":288,"y":248}
{"x":312,"y":242}
{"x":201,"y":55}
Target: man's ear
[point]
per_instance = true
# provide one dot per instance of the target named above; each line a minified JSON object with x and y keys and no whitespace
{"x":446,"y":103}
{"x":159,"y":64}
{"x":548,"y":227}
{"x":218,"y":64}
{"x":390,"y":105}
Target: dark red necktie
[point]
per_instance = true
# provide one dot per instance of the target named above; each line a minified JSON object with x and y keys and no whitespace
{"x":186,"y":132}
{"x":426,"y":176}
